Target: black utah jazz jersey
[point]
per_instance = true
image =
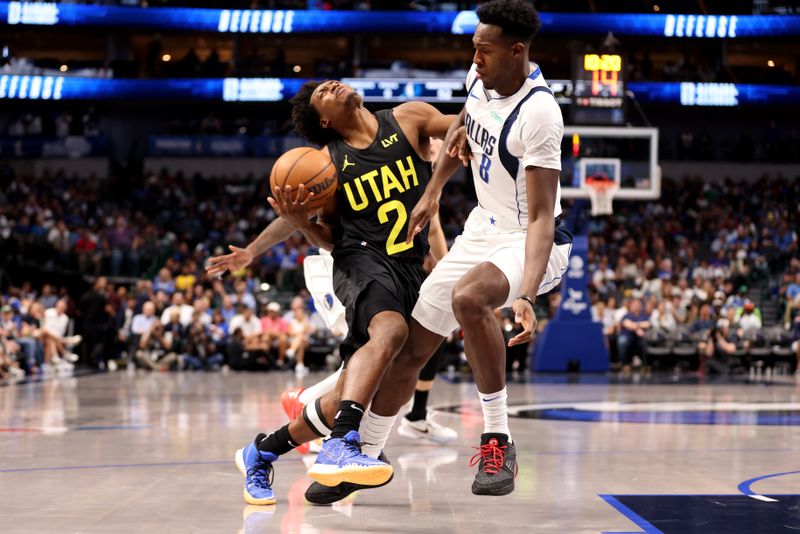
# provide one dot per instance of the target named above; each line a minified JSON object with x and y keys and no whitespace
{"x":378,"y":188}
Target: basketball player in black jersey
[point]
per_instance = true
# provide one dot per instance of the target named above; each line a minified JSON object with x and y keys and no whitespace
{"x":377,"y":275}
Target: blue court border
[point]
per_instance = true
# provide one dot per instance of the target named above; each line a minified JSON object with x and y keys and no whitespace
{"x":744,"y":487}
{"x":639,"y":521}
{"x":649,"y":528}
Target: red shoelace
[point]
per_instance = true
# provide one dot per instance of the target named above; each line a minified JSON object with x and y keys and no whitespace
{"x":493,"y":457}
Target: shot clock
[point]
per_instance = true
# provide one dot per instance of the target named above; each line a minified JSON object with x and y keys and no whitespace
{"x":599,"y":88}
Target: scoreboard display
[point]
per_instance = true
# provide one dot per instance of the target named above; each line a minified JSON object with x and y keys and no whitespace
{"x":599,"y":88}
{"x":598,"y":81}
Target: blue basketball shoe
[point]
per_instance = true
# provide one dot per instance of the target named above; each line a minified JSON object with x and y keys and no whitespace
{"x":341,"y":460}
{"x":256,"y":466}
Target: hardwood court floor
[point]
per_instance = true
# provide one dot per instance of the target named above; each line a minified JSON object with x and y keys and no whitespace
{"x":153,"y":453}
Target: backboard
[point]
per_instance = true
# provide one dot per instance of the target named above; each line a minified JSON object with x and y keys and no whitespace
{"x":628,"y":156}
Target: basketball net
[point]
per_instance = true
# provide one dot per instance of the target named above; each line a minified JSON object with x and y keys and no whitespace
{"x":601,"y":193}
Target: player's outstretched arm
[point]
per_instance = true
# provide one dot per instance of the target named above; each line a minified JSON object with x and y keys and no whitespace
{"x":443,"y":169}
{"x":276,"y":232}
{"x":426,"y":119}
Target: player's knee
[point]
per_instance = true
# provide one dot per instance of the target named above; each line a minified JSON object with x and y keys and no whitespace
{"x":390,"y":341}
{"x":467,"y":304}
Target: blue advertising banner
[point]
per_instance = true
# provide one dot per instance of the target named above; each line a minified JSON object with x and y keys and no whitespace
{"x":77,"y":88}
{"x":571,"y":340}
{"x":221,"y":145}
{"x":463,"y":22}
{"x":20,"y":87}
{"x":715,"y":94}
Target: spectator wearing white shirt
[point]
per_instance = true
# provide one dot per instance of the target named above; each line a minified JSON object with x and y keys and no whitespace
{"x":184,"y":311}
{"x":663,"y":317}
{"x":604,"y":278}
{"x":250,"y":327}
{"x":749,"y":317}
{"x":49,"y":330}
{"x":56,"y":320}
{"x":201,"y":306}
{"x":627,"y":273}
{"x":60,"y":238}
{"x":56,"y":323}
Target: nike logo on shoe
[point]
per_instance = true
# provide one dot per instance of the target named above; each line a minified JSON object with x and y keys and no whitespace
{"x":335,"y":459}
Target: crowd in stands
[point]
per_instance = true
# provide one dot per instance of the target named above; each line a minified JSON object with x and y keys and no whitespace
{"x":696,"y":266}
{"x":167,"y":323}
{"x":704,"y":262}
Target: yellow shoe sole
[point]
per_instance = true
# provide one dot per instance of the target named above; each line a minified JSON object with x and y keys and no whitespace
{"x":372,"y":476}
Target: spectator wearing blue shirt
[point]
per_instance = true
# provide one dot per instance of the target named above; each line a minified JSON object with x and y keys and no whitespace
{"x":793,"y":291}
{"x":241,"y":296}
{"x":704,"y":320}
{"x":634,"y":325}
{"x":228,"y":309}
{"x":164,"y":282}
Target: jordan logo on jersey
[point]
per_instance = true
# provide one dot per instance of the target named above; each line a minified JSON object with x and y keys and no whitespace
{"x":347,"y":164}
{"x":480,"y":135}
{"x":389,"y":141}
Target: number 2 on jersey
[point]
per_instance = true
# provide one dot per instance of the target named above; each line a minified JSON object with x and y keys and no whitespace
{"x":392,"y":245}
{"x":484,"y":168}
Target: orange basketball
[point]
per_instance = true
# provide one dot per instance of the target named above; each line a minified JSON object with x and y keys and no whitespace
{"x":308,"y":166}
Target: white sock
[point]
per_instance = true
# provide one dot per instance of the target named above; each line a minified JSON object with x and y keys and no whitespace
{"x":319,"y":389}
{"x":375,"y":430}
{"x":495,"y":412}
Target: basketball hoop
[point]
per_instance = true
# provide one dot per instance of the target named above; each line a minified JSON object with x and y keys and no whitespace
{"x":601,"y":193}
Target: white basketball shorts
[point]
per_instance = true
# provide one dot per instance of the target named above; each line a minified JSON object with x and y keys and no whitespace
{"x":484,"y":241}
{"x":318,"y":271}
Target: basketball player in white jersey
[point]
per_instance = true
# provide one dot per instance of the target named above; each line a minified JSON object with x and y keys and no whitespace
{"x":513,"y":246}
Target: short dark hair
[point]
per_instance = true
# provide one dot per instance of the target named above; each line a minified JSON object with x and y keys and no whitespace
{"x":306,"y":118}
{"x":517,"y":18}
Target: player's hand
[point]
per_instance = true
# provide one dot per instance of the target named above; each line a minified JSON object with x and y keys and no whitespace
{"x":429,"y":263}
{"x":459,"y":146}
{"x":295,"y":211}
{"x":423,"y":212}
{"x":523,"y":314}
{"x":238,"y":259}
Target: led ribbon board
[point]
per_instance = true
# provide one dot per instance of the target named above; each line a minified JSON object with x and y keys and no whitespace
{"x":21,"y":87}
{"x":715,"y":94}
{"x":464,"y":22}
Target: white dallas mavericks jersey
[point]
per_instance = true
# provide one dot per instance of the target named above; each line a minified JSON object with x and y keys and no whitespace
{"x":507,"y":134}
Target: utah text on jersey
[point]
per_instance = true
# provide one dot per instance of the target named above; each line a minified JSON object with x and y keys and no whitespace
{"x":381,"y":182}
